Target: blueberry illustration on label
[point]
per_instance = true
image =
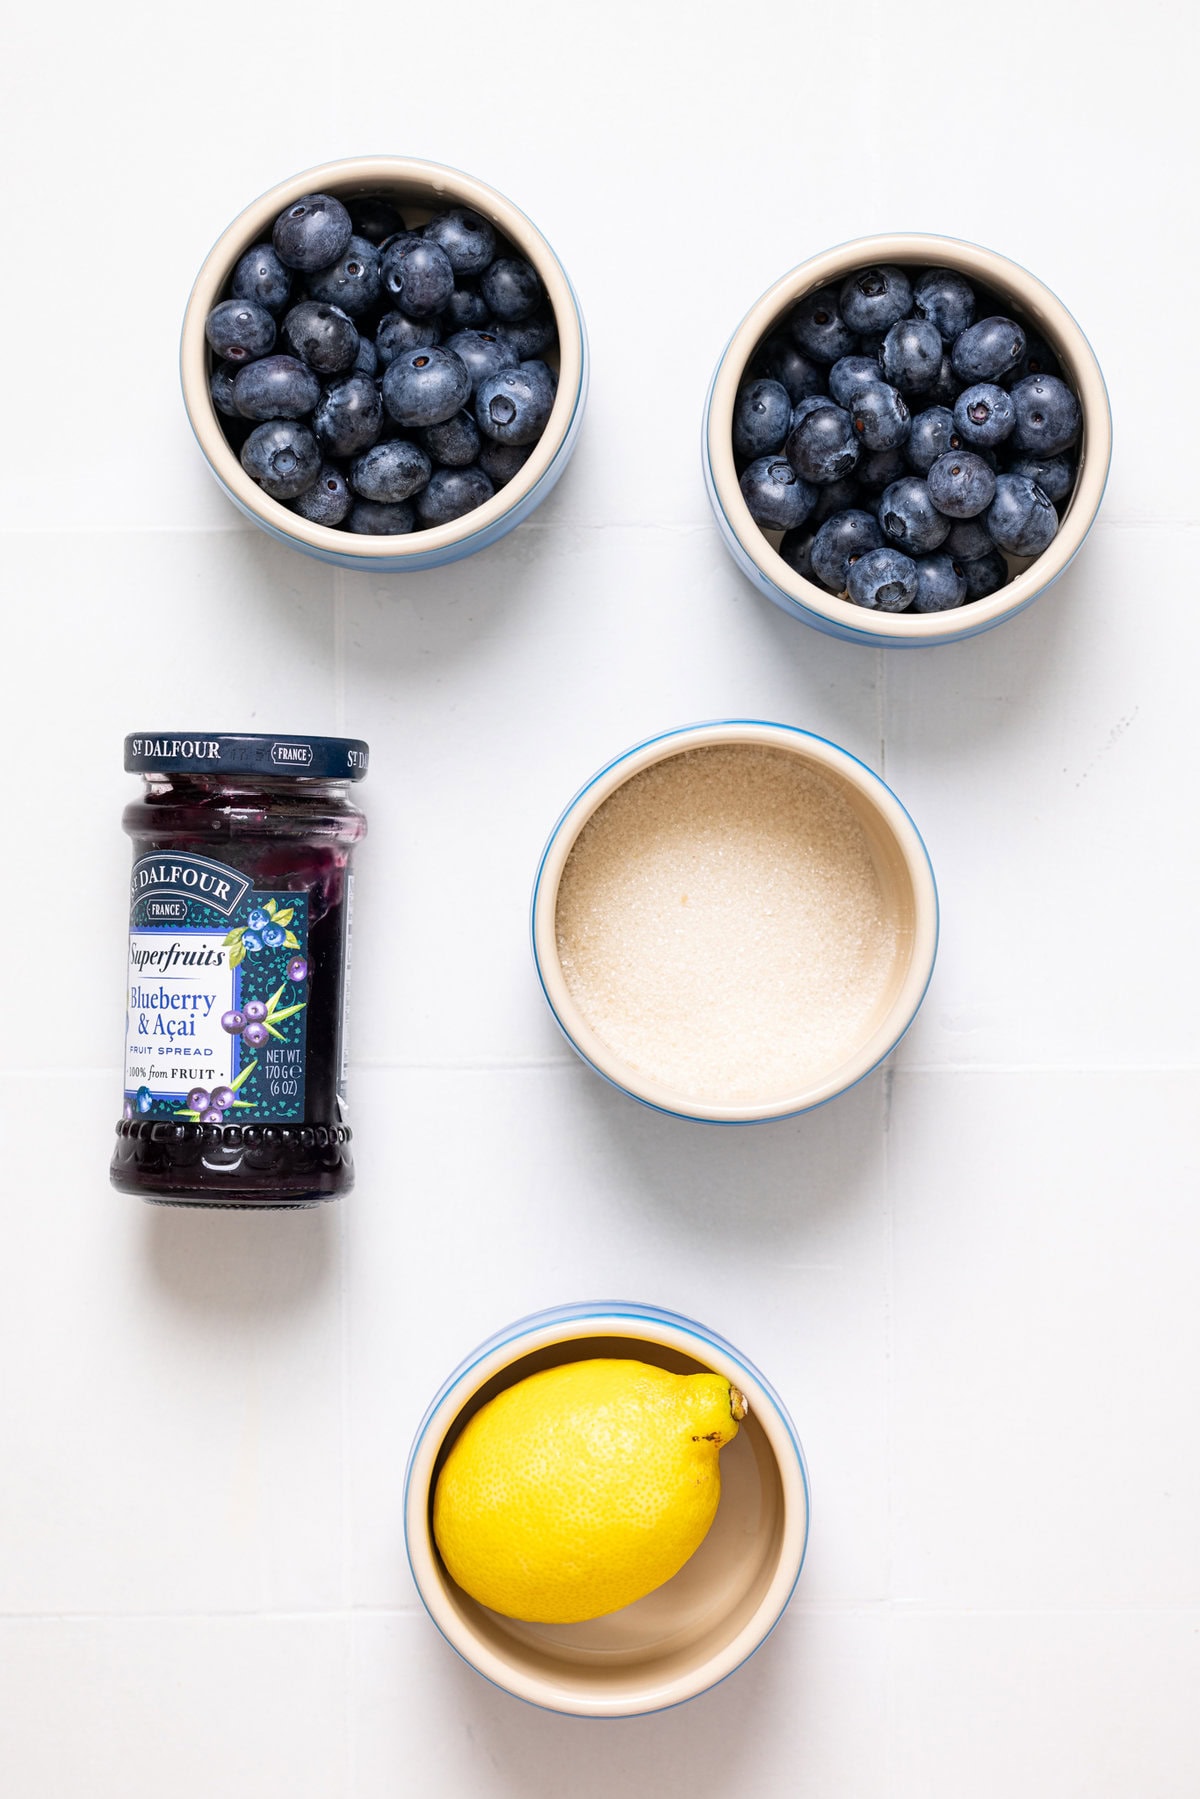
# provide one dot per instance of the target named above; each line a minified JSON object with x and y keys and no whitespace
{"x":255,"y":1035}
{"x":233,"y":1022}
{"x":273,"y":935}
{"x":197,"y":1099}
{"x":212,"y":1116}
{"x":145,"y":1099}
{"x":221,"y":1098}
{"x":251,"y":942}
{"x":257,"y":919}
{"x":127,"y":1110}
{"x":255,"y":1010}
{"x":297,"y":969}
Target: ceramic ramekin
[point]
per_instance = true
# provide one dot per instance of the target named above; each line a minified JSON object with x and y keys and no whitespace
{"x":700,"y":1626}
{"x":756,"y":556}
{"x":418,"y":188}
{"x":905,"y":877}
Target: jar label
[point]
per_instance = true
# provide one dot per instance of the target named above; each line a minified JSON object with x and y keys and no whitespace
{"x":216,"y":1004}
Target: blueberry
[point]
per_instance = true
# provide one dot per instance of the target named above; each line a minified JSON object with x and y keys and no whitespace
{"x":884,"y":580}
{"x":282,"y":456}
{"x":222,"y":1098}
{"x":842,"y":539}
{"x":796,"y":549}
{"x":984,"y":351}
{"x":500,"y":462}
{"x":513,"y":405}
{"x":819,"y":329}
{"x":985,"y":575}
{"x":329,"y":498}
{"x":984,"y":415}
{"x":374,"y":218}
{"x":468,"y":241}
{"x":880,"y":418}
{"x":297,"y":969}
{"x":451,"y":493}
{"x":809,"y":404}
{"x":530,"y":337}
{"x":233,"y":1022}
{"x":371,"y":518}
{"x":780,"y":360}
{"x":873,"y":299}
{"x":944,"y":391}
{"x":239,"y":330}
{"x":1039,"y":359}
{"x":1055,"y":475}
{"x":836,"y":496}
{"x":352,"y":282}
{"x":273,"y":935}
{"x":946,"y":300}
{"x":349,"y":417}
{"x":212,"y":1116}
{"x":418,"y":276}
{"x":484,"y":353}
{"x":220,"y":387}
{"x":312,"y":232}
{"x":426,"y":386}
{"x":256,"y":919}
{"x":1021,"y":519}
{"x":251,"y":943}
{"x":762,"y":418}
{"x":912,"y":355}
{"x":278,"y":387}
{"x":910,"y":518}
{"x":850,"y":375}
{"x":197,"y":1099}
{"x":396,"y":333}
{"x":367,"y":360}
{"x":390,"y":471}
{"x":255,"y":1035}
{"x":511,"y":288}
{"x":322,"y":336}
{"x":961,"y":484}
{"x":823,"y":446}
{"x":879,"y":468}
{"x":466,"y":310}
{"x":1048,"y":415}
{"x":776,"y":496}
{"x":931,"y":436}
{"x":941,"y":584}
{"x":455,"y":443}
{"x":145,"y":1099}
{"x":255,"y":1010}
{"x":969,"y":540}
{"x":259,"y":275}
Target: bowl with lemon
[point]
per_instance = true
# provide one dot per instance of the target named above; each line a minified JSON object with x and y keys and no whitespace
{"x":606,"y":1509}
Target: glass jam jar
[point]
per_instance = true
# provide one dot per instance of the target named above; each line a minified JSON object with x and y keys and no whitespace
{"x":239,"y":964}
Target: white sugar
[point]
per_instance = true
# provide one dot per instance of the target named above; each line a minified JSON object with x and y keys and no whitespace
{"x":721,"y":926}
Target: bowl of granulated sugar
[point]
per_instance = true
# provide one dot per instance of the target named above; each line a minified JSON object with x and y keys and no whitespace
{"x":734,"y":921}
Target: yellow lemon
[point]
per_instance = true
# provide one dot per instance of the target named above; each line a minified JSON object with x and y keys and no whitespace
{"x":581,"y":1488}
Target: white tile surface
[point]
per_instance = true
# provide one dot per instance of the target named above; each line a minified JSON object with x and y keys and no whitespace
{"x":972,"y":1279}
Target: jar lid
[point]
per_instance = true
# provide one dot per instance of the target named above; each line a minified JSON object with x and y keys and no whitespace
{"x":247,"y":753}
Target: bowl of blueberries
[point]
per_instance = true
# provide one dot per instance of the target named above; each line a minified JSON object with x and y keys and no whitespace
{"x":906,"y":440}
{"x":384,"y":363}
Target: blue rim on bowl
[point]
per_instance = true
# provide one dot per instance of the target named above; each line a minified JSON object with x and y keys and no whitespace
{"x":708,"y":1620}
{"x":422,"y":185}
{"x":902,"y":862}
{"x":754,"y":553}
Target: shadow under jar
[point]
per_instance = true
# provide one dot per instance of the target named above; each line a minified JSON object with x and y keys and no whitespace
{"x":239,"y":954}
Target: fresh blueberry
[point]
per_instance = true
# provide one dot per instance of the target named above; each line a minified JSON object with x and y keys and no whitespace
{"x":819,"y":329}
{"x":931,"y":436}
{"x":322,"y":336}
{"x":836,"y":496}
{"x":312,"y":232}
{"x":367,"y":360}
{"x":780,"y":360}
{"x":880,"y":418}
{"x":850,"y":375}
{"x":873,"y":299}
{"x":466,"y":310}
{"x":1039,"y":359}
{"x":762,"y":418}
{"x":259,"y":275}
{"x":278,"y":387}
{"x":329,"y":498}
{"x":222,"y":1098}
{"x":941,"y":584}
{"x":255,"y":1010}
{"x":273,"y":936}
{"x":796,"y":549}
{"x":1048,"y":415}
{"x":912,"y":355}
{"x":910,"y":518}
{"x":252,"y":944}
{"x":823,"y":447}
{"x":239,"y":330}
{"x":233,"y":1022}
{"x":776,"y":496}
{"x":373,"y":518}
{"x":145,"y":1099}
{"x":197,"y":1099}
{"x":500,"y":462}
{"x":255,"y":1035}
{"x":349,"y":417}
{"x":374,"y":218}
{"x":944,"y":391}
{"x":985,"y":575}
{"x":390,"y":471}
{"x":455,"y":443}
{"x":220,"y":386}
{"x":961,"y":484}
{"x":352,"y":282}
{"x":418,"y":276}
{"x":256,"y":919}
{"x":946,"y":300}
{"x":879,"y":468}
{"x":843,"y":539}
{"x":297,"y":969}
{"x":484,"y":353}
{"x":884,"y":580}
{"x":468,"y":241}
{"x":1055,"y":475}
{"x":809,"y":404}
{"x":396,"y":333}
{"x":984,"y":415}
{"x":531,"y":337}
{"x":513,"y":405}
{"x":969,"y":540}
{"x":1021,"y":519}
{"x":985,"y":351}
{"x":426,"y":386}
{"x":282,"y":456}
{"x":451,"y":493}
{"x":511,"y":288}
